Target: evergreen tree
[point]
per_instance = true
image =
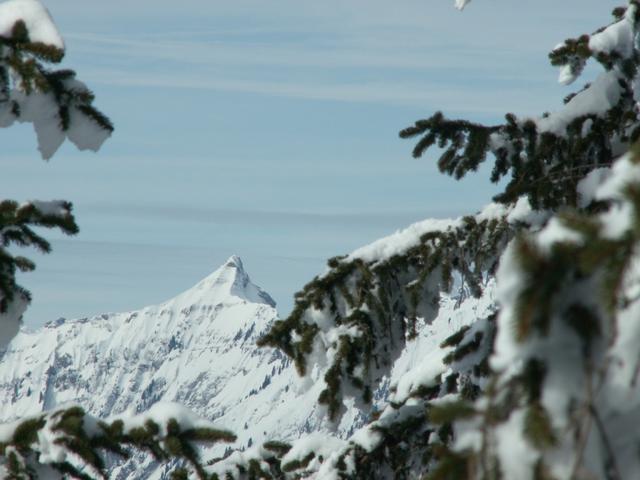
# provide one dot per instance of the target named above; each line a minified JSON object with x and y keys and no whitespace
{"x":547,"y":385}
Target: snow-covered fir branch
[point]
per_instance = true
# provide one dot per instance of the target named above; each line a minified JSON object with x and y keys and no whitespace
{"x":68,"y":443}
{"x":57,"y":104}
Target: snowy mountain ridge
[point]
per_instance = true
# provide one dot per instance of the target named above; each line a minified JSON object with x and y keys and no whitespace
{"x":161,"y":344}
{"x":198,"y":349}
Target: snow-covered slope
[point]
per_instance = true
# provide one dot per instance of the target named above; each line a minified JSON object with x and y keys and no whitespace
{"x":197,"y":349}
{"x":203,"y":337}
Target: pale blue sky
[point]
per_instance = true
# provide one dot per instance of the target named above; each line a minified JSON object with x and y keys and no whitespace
{"x":268,"y":130}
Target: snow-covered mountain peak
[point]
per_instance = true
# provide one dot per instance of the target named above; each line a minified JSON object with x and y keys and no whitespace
{"x":227,"y":285}
{"x":115,"y":361}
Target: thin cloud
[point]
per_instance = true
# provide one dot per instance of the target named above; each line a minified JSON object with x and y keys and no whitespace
{"x":400,"y":93}
{"x":337,"y":52}
{"x":228,"y":216}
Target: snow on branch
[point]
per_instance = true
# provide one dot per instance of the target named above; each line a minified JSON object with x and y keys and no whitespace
{"x":546,"y":156}
{"x":399,"y":441}
{"x":352,"y":322}
{"x":67,"y":442}
{"x":57,"y":104}
{"x":16,"y":229}
{"x":36,"y":19}
{"x":564,"y":386}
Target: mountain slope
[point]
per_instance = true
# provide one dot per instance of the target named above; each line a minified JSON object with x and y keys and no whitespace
{"x":198,"y":349}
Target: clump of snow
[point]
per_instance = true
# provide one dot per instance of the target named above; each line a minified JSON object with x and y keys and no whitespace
{"x":516,"y":457}
{"x":508,"y":282}
{"x":625,"y":350}
{"x":618,"y":220}
{"x":587,"y":186}
{"x":401,"y":241}
{"x":41,"y":110}
{"x":522,"y":212}
{"x":620,"y":217}
{"x":49,"y":445}
{"x":320,"y":444}
{"x":84,"y":132}
{"x":569,"y":73}
{"x":366,"y":438}
{"x":52,"y":208}
{"x":556,"y":232}
{"x":161,"y":413}
{"x":242,"y":459}
{"x":493,"y":211}
{"x":36,"y":18}
{"x":603,"y":94}
{"x":616,"y":37}
{"x":7,"y":115}
{"x":426,"y":374}
{"x":460,"y":4}
{"x":624,"y":172}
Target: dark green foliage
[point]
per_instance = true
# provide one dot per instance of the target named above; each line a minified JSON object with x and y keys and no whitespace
{"x":279,"y":448}
{"x":586,"y":324}
{"x":465,"y":349}
{"x":385,"y":300}
{"x":25,"y":433}
{"x":466,"y":143}
{"x":180,"y":474}
{"x":450,"y":466}
{"x":298,"y":464}
{"x":442,"y":413}
{"x":412,"y":433}
{"x":570,"y":294}
{"x":26,"y":58}
{"x":456,"y":338}
{"x":16,"y":229}
{"x":542,"y":278}
{"x":89,"y":444}
{"x":533,"y":375}
{"x":543,"y":165}
{"x":537,"y":427}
